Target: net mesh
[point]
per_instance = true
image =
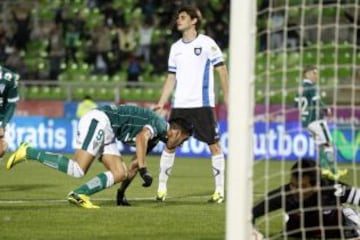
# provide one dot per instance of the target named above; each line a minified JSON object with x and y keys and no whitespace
{"x":292,"y":34}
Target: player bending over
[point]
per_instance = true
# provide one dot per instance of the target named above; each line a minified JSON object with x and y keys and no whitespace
{"x":97,"y":131}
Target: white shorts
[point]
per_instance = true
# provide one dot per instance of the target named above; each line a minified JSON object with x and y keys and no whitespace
{"x":320,"y":132}
{"x":95,"y":134}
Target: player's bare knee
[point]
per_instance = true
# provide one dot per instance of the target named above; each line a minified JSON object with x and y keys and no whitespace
{"x":75,"y":170}
{"x":119,"y":175}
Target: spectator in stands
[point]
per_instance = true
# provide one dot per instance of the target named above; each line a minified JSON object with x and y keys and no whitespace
{"x":159,"y":55}
{"x":4,"y":45}
{"x":23,"y":29}
{"x":110,"y":15}
{"x":145,"y":32}
{"x":16,"y":63}
{"x":356,"y":21}
{"x":314,"y":205}
{"x":134,"y":70}
{"x":72,"y":39}
{"x":126,"y":42}
{"x":277,"y":22}
{"x":56,"y":51}
{"x":99,"y":50}
{"x":85,"y":105}
{"x":293,"y":37}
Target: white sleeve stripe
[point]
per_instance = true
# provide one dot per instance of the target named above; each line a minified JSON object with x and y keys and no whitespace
{"x":12,"y":100}
{"x":316,"y":98}
{"x":351,"y":195}
{"x":357,"y":197}
{"x":151,"y":130}
{"x":216,"y":60}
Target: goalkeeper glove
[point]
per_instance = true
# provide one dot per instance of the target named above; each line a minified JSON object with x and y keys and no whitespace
{"x":145,"y":175}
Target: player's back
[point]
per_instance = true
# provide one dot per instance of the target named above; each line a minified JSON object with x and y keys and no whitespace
{"x":127,"y":121}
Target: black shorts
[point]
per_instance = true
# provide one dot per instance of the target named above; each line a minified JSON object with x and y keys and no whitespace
{"x":204,"y":121}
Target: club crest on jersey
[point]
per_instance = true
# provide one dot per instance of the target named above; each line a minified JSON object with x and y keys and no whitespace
{"x":197,"y":51}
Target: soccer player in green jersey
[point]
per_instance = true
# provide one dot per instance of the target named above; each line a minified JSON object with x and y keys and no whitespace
{"x":8,"y":99}
{"x":96,"y":137}
{"x":312,"y":111}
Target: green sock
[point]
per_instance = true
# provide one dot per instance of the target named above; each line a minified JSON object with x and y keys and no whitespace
{"x":53,"y":160}
{"x":96,"y":184}
{"x":331,"y":160}
{"x":323,"y":160}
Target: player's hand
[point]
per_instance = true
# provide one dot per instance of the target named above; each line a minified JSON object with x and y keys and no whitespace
{"x":256,"y":235}
{"x":2,"y":132}
{"x":145,"y":175}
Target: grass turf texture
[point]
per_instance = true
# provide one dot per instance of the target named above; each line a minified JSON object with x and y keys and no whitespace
{"x":33,"y":206}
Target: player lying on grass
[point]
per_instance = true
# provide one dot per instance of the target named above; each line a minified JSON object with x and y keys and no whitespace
{"x":97,"y":131}
{"x":314,"y":205}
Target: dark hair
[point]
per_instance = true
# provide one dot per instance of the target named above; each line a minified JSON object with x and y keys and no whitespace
{"x":87,"y":97}
{"x":309,"y":68}
{"x":193,"y":12}
{"x":305,"y":167}
{"x":182,"y":124}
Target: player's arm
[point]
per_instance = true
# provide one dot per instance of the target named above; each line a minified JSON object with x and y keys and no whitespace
{"x":347,"y":193}
{"x":9,"y":113}
{"x":223,"y":75}
{"x":141,"y":142}
{"x":12,"y":98}
{"x":166,"y":91}
{"x":273,"y":202}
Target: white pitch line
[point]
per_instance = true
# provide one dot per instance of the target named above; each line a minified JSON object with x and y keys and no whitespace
{"x":94,"y":199}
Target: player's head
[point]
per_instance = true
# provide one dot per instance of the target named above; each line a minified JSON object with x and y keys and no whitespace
{"x":188,"y":17}
{"x":180,"y":130}
{"x":311,"y":72}
{"x":304,"y":178}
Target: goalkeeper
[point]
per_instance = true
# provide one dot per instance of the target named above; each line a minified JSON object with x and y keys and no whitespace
{"x":314,"y":205}
{"x":97,"y":131}
{"x":312,"y":111}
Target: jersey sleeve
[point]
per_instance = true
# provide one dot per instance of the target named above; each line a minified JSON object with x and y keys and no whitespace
{"x":171,"y":61}
{"x":272,"y":203}
{"x":214,"y":53}
{"x":12,"y":94}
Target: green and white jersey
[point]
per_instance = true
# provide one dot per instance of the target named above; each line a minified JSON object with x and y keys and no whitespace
{"x":309,"y":103}
{"x":8,"y":93}
{"x":127,"y":121}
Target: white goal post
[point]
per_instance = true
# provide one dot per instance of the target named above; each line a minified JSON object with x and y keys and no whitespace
{"x":240,"y":157}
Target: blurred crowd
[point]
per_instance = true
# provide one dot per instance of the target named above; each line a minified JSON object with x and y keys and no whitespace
{"x":109,"y":36}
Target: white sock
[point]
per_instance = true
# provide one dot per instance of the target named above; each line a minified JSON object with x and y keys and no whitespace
{"x":166,"y":164}
{"x":74,"y":169}
{"x":109,"y":179}
{"x":218,"y":165}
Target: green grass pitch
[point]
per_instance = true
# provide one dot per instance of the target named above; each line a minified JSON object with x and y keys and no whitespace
{"x":33,"y":205}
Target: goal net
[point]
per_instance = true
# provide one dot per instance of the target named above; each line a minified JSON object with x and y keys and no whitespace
{"x":291,"y":35}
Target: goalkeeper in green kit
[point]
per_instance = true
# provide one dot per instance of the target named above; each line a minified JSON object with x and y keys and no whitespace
{"x":312,"y":111}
